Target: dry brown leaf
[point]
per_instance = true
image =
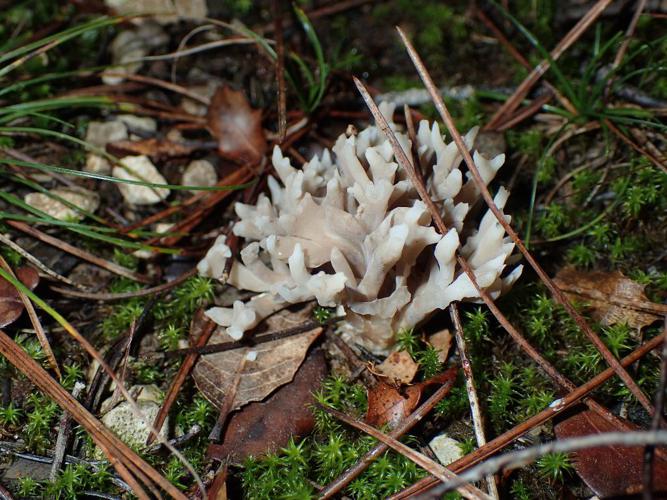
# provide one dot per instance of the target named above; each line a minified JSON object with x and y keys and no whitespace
{"x":155,"y":148}
{"x":11,"y":305}
{"x":236,"y":126}
{"x":398,"y":366}
{"x":610,"y":471}
{"x":613,"y":297}
{"x":266,"y":426}
{"x":276,"y":363}
{"x":386,"y":405}
{"x":441,"y":342}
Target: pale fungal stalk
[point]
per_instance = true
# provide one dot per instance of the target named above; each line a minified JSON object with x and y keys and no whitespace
{"x":350,"y":230}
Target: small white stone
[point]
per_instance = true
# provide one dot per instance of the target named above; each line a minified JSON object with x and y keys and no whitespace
{"x":199,"y":173}
{"x":97,"y":164}
{"x":99,"y":134}
{"x":163,"y":227}
{"x":144,"y":123}
{"x":82,"y":198}
{"x":446,"y":449}
{"x":124,"y":423}
{"x":251,"y":356}
{"x":140,"y":168}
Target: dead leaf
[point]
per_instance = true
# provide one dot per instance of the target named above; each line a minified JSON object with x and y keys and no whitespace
{"x":610,"y":471}
{"x":441,"y":342}
{"x":155,"y":148}
{"x":399,"y":367}
{"x":276,"y":363}
{"x":11,"y":305}
{"x":264,"y":427}
{"x":236,"y":126}
{"x":386,"y":405}
{"x":613,"y":297}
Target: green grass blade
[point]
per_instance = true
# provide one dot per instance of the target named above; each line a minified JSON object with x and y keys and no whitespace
{"x":90,"y":175}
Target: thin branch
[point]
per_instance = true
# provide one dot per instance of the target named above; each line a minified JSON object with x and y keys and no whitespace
{"x":64,"y":434}
{"x":533,"y":77}
{"x":434,"y":468}
{"x":649,"y":452}
{"x":128,"y":295}
{"x":404,"y":426}
{"x":520,"y":458}
{"x":183,"y":372}
{"x":280,"y":70}
{"x":36,"y":262}
{"x":103,"y":437}
{"x":475,"y":409}
{"x":36,"y":323}
{"x":77,"y":252}
{"x":555,"y":408}
{"x":486,"y":195}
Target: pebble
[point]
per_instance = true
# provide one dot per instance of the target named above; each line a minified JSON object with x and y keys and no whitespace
{"x":144,"y":170}
{"x":130,"y":429}
{"x":199,"y":173}
{"x":97,"y":164}
{"x":99,"y":134}
{"x":82,"y":198}
{"x":446,"y":449}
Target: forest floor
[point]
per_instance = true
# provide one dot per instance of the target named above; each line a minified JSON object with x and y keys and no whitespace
{"x":101,"y":305}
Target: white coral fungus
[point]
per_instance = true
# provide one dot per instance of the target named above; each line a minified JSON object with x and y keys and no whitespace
{"x":352,"y":231}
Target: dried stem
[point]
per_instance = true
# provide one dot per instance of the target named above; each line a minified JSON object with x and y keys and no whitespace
{"x":36,"y":323}
{"x":486,"y":195}
{"x":183,"y":372}
{"x":545,"y":415}
{"x":64,"y":434}
{"x":114,"y":449}
{"x":475,"y":409}
{"x":434,"y":468}
{"x":533,"y":77}
{"x":404,"y":426}
{"x":280,"y":70}
{"x":520,"y":458}
{"x":77,"y":252}
{"x":649,"y":452}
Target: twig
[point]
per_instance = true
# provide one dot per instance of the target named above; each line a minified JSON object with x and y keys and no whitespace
{"x":655,"y":160}
{"x":555,"y":408}
{"x":36,"y":323}
{"x":475,"y":410}
{"x":486,"y":195}
{"x":5,"y":494}
{"x":404,"y":426}
{"x":64,"y":433}
{"x":620,"y":54}
{"x":522,"y":90}
{"x":649,"y":452}
{"x":254,"y":340}
{"x":183,"y":372}
{"x":434,"y":468}
{"x":36,"y":262}
{"x":280,"y":70}
{"x":520,"y":458}
{"x":230,"y":397}
{"x":77,"y":252}
{"x":128,"y":295}
{"x":114,"y":448}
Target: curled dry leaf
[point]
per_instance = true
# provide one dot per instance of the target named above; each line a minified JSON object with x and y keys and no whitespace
{"x":264,"y":427}
{"x":610,"y":471}
{"x":441,"y":342}
{"x":613,"y":297}
{"x":236,"y":126}
{"x":386,"y":404}
{"x":398,"y":367}
{"x":11,"y":305}
{"x":275,"y":365}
